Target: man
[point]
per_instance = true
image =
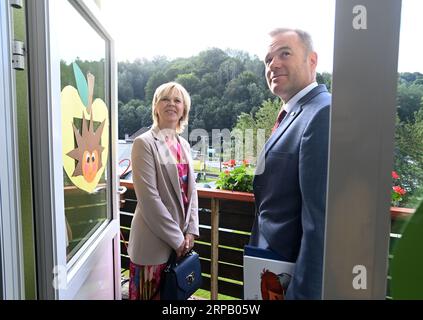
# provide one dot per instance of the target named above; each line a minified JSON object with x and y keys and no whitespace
{"x":290,"y":193}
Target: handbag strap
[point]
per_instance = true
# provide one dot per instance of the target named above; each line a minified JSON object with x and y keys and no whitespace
{"x":172,"y":261}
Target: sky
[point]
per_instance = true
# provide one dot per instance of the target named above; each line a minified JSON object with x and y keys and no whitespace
{"x":144,"y":29}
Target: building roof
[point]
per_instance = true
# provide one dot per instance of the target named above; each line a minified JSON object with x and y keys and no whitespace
{"x":137,"y":133}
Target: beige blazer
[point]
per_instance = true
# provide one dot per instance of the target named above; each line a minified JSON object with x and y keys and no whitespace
{"x":159,"y":223}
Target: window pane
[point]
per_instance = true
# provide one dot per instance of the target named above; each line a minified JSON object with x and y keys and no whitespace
{"x":85,"y":127}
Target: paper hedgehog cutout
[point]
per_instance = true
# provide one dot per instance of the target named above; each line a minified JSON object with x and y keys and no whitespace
{"x":88,"y":150}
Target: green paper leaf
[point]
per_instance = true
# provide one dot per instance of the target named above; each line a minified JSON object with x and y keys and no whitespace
{"x":81,"y":83}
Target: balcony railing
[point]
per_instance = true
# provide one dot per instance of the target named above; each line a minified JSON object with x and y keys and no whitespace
{"x":226,"y":220}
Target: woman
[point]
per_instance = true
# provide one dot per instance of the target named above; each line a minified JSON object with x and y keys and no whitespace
{"x":166,"y":217}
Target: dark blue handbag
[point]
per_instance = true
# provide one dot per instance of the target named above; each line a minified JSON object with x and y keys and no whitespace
{"x":181,"y":278}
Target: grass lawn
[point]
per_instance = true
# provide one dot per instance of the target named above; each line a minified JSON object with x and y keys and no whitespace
{"x":204,"y":294}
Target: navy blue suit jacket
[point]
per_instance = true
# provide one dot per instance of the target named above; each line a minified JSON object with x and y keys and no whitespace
{"x":290,"y":193}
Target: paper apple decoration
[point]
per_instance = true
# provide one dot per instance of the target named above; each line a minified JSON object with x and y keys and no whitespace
{"x":85,"y":149}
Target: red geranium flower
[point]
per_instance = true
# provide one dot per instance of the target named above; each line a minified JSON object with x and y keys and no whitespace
{"x":395,"y":175}
{"x":398,"y":191}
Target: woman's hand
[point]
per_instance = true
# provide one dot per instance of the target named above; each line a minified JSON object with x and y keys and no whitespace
{"x":186,"y":246}
{"x":188,"y":243}
{"x":180,"y":251}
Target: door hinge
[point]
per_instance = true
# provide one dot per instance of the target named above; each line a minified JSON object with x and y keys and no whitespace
{"x":18,"y":55}
{"x":16,"y":4}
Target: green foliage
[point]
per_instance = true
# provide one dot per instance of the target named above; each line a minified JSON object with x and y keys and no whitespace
{"x":237,"y":89}
{"x":96,"y":68}
{"x":189,"y":81}
{"x":267,"y":114}
{"x":245,"y":121}
{"x":130,"y":116}
{"x":416,"y":199}
{"x":409,"y":156}
{"x":408,"y":160}
{"x":125,"y":89}
{"x":228,"y":91}
{"x":397,"y":192}
{"x":204,"y":294}
{"x":264,"y":119}
{"x":409,"y":78}
{"x":222,"y":85}
{"x":237,"y":179}
{"x":324,"y":78}
{"x":409,"y":99}
{"x":407,"y":261}
{"x":208,"y":61}
{"x":153,"y":83}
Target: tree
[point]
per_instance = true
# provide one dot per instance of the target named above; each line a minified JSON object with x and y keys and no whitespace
{"x":408,"y":77}
{"x":324,"y":78}
{"x":153,"y":83}
{"x":189,"y":82}
{"x":245,"y":121}
{"x":222,"y":85}
{"x":209,"y":86}
{"x":408,"y":100}
{"x":409,"y":155}
{"x":209,"y":61}
{"x":229,"y":69}
{"x":177,"y":67}
{"x":129,"y":119}
{"x":267,"y":114}
{"x":237,"y":89}
{"x":125,"y":89}
{"x":264,"y":119}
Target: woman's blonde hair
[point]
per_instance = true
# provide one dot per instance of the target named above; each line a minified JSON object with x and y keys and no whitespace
{"x":165,"y":90}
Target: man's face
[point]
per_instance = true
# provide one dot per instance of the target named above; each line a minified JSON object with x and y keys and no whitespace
{"x":288,"y":68}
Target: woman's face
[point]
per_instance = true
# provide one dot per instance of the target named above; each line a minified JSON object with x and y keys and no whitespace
{"x":170,"y":109}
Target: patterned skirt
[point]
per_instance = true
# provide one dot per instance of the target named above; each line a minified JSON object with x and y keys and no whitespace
{"x":144,"y":281}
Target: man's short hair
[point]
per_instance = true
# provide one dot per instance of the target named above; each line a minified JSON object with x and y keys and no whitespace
{"x":304,"y":36}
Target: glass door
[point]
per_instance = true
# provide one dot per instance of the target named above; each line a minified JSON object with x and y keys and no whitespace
{"x":12,"y":82}
{"x":74,"y":131}
{"x":85,"y":114}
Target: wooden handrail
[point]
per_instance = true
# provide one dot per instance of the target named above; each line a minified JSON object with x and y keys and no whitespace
{"x":209,"y":193}
{"x":127,"y":183}
{"x":225,"y":195}
{"x":217,"y":197}
{"x":396,"y":212}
